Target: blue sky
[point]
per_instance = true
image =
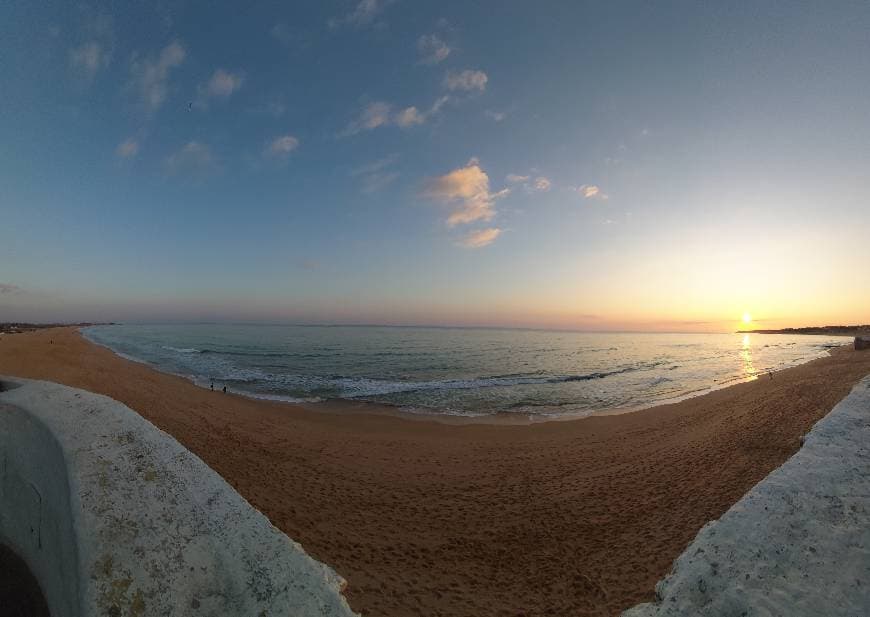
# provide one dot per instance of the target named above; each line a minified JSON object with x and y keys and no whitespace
{"x":590,"y":165}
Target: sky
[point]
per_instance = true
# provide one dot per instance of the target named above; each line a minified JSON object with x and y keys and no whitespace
{"x":583,"y":165}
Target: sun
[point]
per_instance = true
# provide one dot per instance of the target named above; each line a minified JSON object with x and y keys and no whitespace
{"x":747,"y":318}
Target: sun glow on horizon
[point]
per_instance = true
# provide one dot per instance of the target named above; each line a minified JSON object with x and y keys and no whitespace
{"x":747,"y":318}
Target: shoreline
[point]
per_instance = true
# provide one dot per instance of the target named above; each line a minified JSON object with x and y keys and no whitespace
{"x":338,"y":405}
{"x":426,"y":518}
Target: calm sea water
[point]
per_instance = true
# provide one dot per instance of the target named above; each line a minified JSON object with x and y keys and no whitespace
{"x":459,"y":370}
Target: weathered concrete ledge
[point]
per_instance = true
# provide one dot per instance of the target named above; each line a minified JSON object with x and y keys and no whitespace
{"x":797,"y":544}
{"x":115,"y":518}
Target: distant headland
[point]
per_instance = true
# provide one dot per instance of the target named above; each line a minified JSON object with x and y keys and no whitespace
{"x":16,"y":327}
{"x":828,"y":330}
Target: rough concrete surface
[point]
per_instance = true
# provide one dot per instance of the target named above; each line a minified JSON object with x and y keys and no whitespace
{"x":797,"y":544}
{"x":115,"y":518}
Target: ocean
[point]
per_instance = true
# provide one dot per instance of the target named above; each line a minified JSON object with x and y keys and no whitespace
{"x":460,"y":371}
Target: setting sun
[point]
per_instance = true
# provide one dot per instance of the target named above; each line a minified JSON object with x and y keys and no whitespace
{"x":747,"y":318}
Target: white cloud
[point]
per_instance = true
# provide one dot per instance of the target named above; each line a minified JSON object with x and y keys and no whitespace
{"x":467,"y":81}
{"x":542,"y":184}
{"x":223,"y":83}
{"x":363,"y":14}
{"x":467,"y":191}
{"x":374,"y":115}
{"x":591,"y":191}
{"x":437,"y":105}
{"x":282,"y":146}
{"x":89,"y":58}
{"x":379,"y":114}
{"x":495,"y":116}
{"x":95,"y":52}
{"x":193,"y":156}
{"x":432,"y":49}
{"x":150,"y":76}
{"x":480,"y":238}
{"x":127,"y":149}
{"x":516,"y":179}
{"x":409,"y":116}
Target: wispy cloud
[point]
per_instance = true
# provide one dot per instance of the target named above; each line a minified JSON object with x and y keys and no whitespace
{"x":374,"y":115}
{"x":466,"y":81}
{"x":89,"y":58}
{"x":432,"y":49}
{"x":150,"y":76}
{"x":127,"y":149}
{"x":480,"y":238}
{"x":376,"y":175}
{"x":538,"y":184}
{"x":591,"y":191}
{"x":94,"y":54}
{"x":363,"y":14}
{"x":466,"y":190}
{"x":192,"y":157}
{"x":409,"y":116}
{"x":381,"y":114}
{"x":542,"y":183}
{"x":7,"y":289}
{"x":222,"y":84}
{"x":495,"y":116}
{"x":281,"y":146}
{"x":374,"y":182}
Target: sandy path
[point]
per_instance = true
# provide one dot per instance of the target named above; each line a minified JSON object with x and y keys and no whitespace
{"x":562,"y":518}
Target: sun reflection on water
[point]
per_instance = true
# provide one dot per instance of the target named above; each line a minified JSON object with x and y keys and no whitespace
{"x":746,"y":356}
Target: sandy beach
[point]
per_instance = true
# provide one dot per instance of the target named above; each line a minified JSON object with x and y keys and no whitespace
{"x":577,"y":517}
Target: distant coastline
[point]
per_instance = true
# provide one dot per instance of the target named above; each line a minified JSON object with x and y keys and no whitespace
{"x":15,"y":327}
{"x":825,"y":330}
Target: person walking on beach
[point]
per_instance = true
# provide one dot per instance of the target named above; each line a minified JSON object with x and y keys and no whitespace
{"x":225,"y":389}
{"x":212,"y":385}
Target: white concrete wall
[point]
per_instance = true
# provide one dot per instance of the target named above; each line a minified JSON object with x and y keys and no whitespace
{"x":115,"y":518}
{"x":797,"y":544}
{"x":35,"y":508}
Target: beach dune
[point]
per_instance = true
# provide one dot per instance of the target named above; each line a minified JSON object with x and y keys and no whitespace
{"x":576,"y":517}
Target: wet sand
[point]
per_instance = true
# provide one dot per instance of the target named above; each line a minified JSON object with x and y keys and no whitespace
{"x":578,"y":517}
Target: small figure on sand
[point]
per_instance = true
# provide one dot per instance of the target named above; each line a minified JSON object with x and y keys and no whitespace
{"x":771,"y":374}
{"x":212,"y":384}
{"x":225,"y":389}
